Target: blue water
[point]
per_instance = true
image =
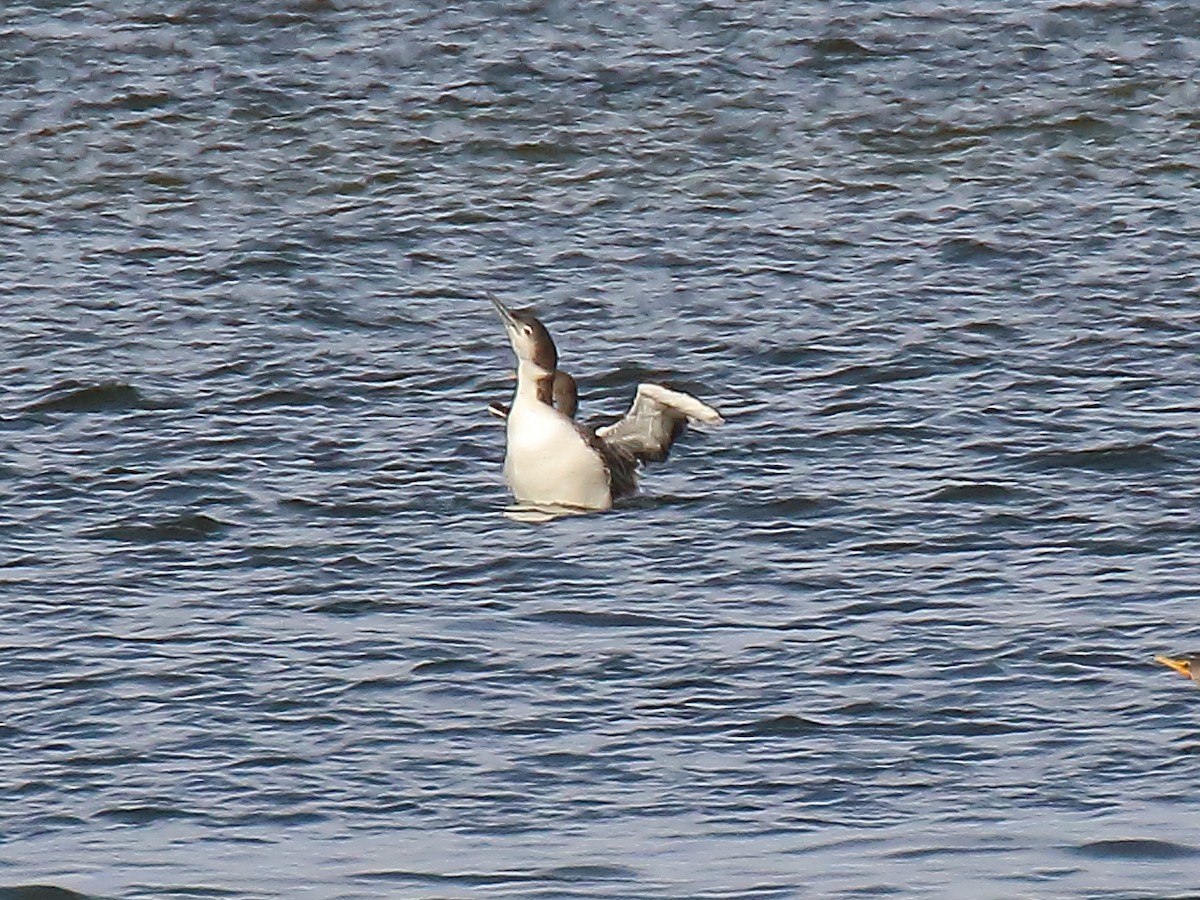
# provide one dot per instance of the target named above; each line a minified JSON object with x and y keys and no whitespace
{"x":265,"y":629}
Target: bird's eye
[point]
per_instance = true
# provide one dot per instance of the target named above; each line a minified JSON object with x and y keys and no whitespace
{"x":528,"y":331}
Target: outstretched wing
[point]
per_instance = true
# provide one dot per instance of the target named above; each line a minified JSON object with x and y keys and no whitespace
{"x":656,"y":419}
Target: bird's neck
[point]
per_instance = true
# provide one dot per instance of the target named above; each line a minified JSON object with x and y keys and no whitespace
{"x":534,"y":385}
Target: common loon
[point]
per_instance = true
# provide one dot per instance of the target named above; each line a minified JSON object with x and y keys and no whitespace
{"x":553,"y":461}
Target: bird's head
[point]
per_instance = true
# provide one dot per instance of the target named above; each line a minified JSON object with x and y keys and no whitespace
{"x":530,"y":340}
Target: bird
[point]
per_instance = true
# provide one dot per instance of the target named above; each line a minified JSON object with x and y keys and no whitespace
{"x":552,"y":460}
{"x":1187,"y":665}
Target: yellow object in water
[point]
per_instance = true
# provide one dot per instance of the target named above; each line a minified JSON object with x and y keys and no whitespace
{"x":1187,"y":665}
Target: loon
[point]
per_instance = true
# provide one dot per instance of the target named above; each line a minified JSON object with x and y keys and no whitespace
{"x":550,"y":459}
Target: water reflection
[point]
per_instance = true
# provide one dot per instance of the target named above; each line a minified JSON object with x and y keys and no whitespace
{"x":538,"y":514}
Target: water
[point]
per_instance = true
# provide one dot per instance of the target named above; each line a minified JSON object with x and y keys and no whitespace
{"x":266,"y":632}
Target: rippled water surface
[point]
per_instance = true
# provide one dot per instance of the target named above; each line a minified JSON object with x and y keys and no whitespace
{"x":889,"y":631}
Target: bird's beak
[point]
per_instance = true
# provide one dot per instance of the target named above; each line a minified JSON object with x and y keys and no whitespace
{"x":1178,"y":665}
{"x":505,"y":316}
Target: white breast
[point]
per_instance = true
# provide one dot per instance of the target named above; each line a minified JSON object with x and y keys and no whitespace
{"x":549,"y":462}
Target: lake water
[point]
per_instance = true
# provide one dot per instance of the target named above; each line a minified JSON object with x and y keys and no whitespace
{"x":889,"y":631}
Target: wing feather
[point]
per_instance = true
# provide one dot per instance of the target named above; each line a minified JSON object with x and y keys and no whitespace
{"x":655,"y":421}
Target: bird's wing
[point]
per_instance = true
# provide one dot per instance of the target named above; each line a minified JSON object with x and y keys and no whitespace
{"x":656,"y":419}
